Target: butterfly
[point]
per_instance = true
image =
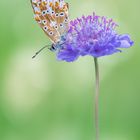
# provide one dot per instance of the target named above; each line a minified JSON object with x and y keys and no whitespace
{"x":53,"y":17}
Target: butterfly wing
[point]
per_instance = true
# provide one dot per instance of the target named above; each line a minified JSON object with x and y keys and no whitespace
{"x":52,"y":16}
{"x":61,"y":16}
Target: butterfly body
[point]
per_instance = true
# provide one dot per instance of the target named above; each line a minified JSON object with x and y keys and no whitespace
{"x":59,"y":45}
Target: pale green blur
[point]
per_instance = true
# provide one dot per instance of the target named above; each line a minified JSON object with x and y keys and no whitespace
{"x":44,"y":99}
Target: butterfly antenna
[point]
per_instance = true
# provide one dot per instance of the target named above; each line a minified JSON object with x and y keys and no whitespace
{"x":40,"y":51}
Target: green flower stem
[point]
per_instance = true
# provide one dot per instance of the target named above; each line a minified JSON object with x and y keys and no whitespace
{"x":97,"y":98}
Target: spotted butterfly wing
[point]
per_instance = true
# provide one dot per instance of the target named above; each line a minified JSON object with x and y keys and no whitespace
{"x":52,"y":16}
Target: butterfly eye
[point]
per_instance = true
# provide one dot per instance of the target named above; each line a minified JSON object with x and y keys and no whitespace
{"x":47,"y":11}
{"x":61,"y":14}
{"x":51,"y":33}
{"x":43,"y":12}
{"x":66,"y":20}
{"x":45,"y":28}
{"x":56,"y":27}
{"x":44,"y":21}
{"x":56,"y":14}
{"x":61,"y":25}
{"x":52,"y":12}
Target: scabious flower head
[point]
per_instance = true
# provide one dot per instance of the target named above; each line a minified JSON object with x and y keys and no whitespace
{"x":92,"y":35}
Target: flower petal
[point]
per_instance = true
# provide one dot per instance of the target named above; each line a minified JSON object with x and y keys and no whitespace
{"x":68,"y":54}
{"x":125,"y":41}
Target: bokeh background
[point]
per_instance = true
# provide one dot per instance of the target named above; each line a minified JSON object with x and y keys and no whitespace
{"x":44,"y":99}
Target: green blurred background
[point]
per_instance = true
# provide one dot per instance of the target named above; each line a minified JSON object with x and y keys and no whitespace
{"x":44,"y":99}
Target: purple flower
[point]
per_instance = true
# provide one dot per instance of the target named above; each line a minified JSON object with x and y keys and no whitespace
{"x":94,"y":36}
